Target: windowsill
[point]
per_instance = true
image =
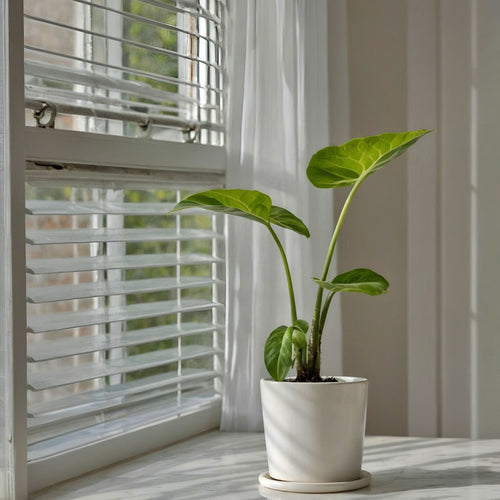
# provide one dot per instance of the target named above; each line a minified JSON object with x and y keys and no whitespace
{"x":226,"y":466}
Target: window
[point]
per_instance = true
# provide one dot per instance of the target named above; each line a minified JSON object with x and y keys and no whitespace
{"x":125,"y":305}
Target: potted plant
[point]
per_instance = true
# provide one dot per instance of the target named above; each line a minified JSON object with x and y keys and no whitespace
{"x":314,"y":425}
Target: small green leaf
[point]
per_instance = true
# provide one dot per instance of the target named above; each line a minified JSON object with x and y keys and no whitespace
{"x":299,"y":340}
{"x":337,"y":166}
{"x":301,"y":324}
{"x":278,"y":352}
{"x":284,"y":218}
{"x":252,"y":205}
{"x":356,"y":280}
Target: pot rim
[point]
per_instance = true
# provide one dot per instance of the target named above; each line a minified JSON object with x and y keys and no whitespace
{"x":341,"y":379}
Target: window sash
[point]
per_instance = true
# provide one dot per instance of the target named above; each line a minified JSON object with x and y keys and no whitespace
{"x":77,"y":154}
{"x":119,"y":85}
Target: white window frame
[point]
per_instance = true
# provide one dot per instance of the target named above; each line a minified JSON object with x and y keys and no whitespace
{"x":76,"y":148}
{"x":13,"y":322}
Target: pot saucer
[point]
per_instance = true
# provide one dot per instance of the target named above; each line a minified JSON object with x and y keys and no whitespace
{"x":267,"y":481}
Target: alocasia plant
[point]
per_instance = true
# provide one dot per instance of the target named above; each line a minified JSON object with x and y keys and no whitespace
{"x":298,"y":343}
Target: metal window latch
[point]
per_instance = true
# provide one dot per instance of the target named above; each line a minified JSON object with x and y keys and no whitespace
{"x":146,"y":125}
{"x":39,"y":115}
{"x":191,"y":133}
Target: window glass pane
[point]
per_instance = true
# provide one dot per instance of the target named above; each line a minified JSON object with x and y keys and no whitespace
{"x":124,"y":311}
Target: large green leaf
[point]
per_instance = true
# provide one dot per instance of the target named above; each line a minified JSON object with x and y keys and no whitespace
{"x":252,"y":205}
{"x":357,"y":280}
{"x":337,"y":166}
{"x":278,"y":352}
{"x":284,"y":218}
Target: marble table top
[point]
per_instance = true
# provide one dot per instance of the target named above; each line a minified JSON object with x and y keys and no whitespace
{"x":226,"y":466}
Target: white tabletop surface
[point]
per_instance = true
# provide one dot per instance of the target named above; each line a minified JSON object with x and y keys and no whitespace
{"x":226,"y":466}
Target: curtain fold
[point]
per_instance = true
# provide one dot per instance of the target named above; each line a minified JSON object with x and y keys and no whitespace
{"x":277,"y":117}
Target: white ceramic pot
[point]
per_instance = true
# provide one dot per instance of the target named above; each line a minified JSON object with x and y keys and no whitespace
{"x":314,"y":430}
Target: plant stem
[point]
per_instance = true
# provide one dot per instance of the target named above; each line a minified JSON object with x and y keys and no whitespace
{"x":287,"y":272}
{"x":324,"y":311}
{"x":318,"y":318}
{"x":301,"y":358}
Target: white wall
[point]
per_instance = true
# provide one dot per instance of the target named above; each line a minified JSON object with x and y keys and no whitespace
{"x":487,"y":189}
{"x":374,"y":231}
{"x":430,"y":223}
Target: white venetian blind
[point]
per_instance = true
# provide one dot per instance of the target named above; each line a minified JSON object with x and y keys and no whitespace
{"x":125,"y":308}
{"x":126,"y":67}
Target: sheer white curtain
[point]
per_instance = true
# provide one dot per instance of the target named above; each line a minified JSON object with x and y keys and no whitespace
{"x":278,"y":117}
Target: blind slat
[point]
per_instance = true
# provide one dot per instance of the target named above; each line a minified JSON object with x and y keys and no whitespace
{"x":96,"y":398}
{"x":51,"y":207}
{"x":54,"y":349}
{"x":79,"y":264}
{"x":64,"y":321}
{"x":69,"y":236}
{"x":73,"y":374}
{"x":143,"y":417}
{"x":104,"y":402}
{"x":43,"y":294}
{"x":80,"y":76}
{"x":42,"y":428}
{"x":124,"y":41}
{"x":34,"y":92}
